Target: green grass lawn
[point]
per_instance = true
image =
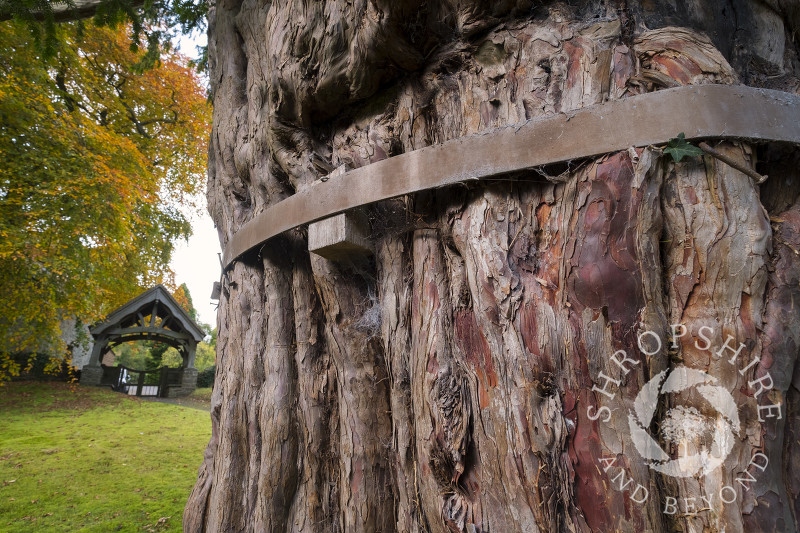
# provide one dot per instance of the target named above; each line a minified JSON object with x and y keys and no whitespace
{"x":87,"y":459}
{"x":202,"y":395}
{"x":199,"y":399}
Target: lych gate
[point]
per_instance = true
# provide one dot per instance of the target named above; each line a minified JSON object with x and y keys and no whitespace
{"x":153,"y":315}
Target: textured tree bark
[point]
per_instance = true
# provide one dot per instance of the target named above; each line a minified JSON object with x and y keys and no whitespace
{"x":483,"y":371}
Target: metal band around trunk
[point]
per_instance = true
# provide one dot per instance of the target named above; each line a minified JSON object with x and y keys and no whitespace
{"x":707,"y":111}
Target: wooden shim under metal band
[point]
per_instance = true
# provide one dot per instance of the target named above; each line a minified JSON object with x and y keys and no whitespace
{"x":701,"y":112}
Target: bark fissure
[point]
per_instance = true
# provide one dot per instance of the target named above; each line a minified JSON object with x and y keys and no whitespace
{"x":481,"y":371}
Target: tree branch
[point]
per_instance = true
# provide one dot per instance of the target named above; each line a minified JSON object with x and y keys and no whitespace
{"x":63,"y":12}
{"x":758,"y":178}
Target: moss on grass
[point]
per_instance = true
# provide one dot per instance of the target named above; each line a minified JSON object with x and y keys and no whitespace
{"x":88,"y":459}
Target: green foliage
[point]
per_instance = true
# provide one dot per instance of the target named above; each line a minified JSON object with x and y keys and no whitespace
{"x":678,"y":147}
{"x":40,"y":19}
{"x":206,"y":353}
{"x":171,"y":358}
{"x":42,"y":367}
{"x":205,"y":356}
{"x":149,"y":21}
{"x":96,"y":157}
{"x":157,"y":351}
{"x":88,"y":459}
{"x":205,"y":378}
{"x":132,"y":354}
{"x":146,"y":355}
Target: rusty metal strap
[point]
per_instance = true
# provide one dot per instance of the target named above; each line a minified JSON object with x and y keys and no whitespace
{"x":708,"y":111}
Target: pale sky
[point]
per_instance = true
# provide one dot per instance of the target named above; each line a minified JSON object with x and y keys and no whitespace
{"x":196,"y":263}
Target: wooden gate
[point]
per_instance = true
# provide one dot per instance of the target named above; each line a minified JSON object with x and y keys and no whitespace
{"x":152,"y":383}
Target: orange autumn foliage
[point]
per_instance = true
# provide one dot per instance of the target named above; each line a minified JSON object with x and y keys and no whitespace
{"x":101,"y":164}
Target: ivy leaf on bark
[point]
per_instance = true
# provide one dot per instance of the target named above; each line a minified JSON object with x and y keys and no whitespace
{"x":678,"y":147}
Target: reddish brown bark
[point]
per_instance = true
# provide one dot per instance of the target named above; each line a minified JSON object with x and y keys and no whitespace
{"x":456,"y":380}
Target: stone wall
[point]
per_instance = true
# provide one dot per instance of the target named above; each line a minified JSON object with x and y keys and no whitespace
{"x":188,"y":384}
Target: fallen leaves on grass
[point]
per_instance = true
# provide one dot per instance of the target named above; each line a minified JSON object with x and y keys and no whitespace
{"x":160,"y":525}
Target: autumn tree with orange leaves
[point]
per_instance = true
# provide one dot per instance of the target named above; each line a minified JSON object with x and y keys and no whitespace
{"x":97,"y":156}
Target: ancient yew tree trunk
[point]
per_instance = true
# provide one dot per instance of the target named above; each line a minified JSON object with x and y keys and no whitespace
{"x":595,"y":346}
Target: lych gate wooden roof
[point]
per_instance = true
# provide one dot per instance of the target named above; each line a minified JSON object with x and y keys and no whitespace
{"x":153,"y":315}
